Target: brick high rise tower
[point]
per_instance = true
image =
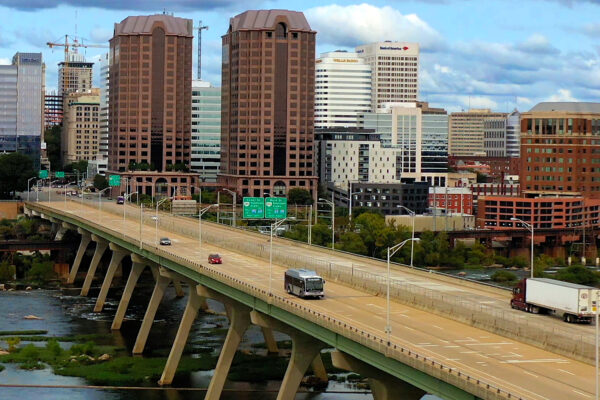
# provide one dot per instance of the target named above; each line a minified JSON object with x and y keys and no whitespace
{"x":151,"y":92}
{"x":267,"y":124}
{"x":150,"y":101}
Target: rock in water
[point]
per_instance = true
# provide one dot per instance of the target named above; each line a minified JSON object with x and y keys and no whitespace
{"x":31,"y":317}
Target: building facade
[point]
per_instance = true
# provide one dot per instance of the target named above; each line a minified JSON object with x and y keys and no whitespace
{"x":206,"y":130}
{"x":53,"y":110}
{"x":466,"y":134}
{"x":451,"y":199}
{"x":149,"y":110}
{"x":75,"y":75}
{"x":22,"y":105}
{"x":494,"y":137}
{"x":513,"y":134}
{"x":80,"y":136}
{"x":420,"y":135}
{"x":394,"y":71}
{"x":104,"y":99}
{"x":342,"y":89}
{"x":268,"y":85}
{"x":560,"y":148}
{"x":390,"y":198}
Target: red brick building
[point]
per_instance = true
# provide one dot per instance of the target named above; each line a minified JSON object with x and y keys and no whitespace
{"x":560,"y":148}
{"x":499,"y":166}
{"x":452,"y":199}
{"x":268,"y":84}
{"x":150,"y":101}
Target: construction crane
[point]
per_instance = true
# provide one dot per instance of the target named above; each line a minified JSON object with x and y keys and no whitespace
{"x":74,"y":45}
{"x":200,"y":27}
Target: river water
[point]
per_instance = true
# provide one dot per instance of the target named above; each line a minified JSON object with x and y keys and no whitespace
{"x":65,"y":315}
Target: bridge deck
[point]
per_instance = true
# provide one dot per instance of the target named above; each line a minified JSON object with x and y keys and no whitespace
{"x":518,"y":368}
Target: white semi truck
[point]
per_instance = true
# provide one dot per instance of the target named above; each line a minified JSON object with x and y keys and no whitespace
{"x":576,"y":303}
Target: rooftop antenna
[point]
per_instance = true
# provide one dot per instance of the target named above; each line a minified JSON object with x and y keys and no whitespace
{"x":200,"y":27}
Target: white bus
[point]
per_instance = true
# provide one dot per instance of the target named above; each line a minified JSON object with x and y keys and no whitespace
{"x":304,"y":283}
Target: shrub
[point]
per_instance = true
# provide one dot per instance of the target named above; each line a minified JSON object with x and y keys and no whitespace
{"x":503,"y":276}
{"x":41,"y":271}
{"x":7,"y":272}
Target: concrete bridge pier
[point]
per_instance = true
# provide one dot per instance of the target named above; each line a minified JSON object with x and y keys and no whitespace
{"x":138,"y":266}
{"x":305,"y":350}
{"x":383,"y":385}
{"x":118,"y":253}
{"x":101,"y":246}
{"x":157,"y":295}
{"x":86,"y":238}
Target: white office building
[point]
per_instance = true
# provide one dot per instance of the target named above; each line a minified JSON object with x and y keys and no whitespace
{"x":420,"y":135}
{"x":513,"y":134}
{"x":394,"y":71}
{"x":206,"y":130}
{"x":342,"y":89}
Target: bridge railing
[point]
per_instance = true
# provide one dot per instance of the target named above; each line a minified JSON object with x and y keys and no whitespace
{"x":504,"y":322}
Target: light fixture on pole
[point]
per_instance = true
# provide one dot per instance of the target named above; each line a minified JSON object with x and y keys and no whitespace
{"x":412,"y":245}
{"x":332,"y":204}
{"x":390,"y":253}
{"x":100,"y":198}
{"x":158,"y":203}
{"x":530,"y":229}
{"x":234,"y":194}
{"x":273,"y":226}
{"x":50,"y":188}
{"x":28,"y":180}
{"x":200,"y":214}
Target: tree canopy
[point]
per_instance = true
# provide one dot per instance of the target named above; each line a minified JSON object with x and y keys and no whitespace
{"x":100,"y":182}
{"x":299,"y":196}
{"x":15,"y":170}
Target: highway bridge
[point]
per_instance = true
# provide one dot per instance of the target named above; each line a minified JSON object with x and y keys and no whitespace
{"x":451,"y":338}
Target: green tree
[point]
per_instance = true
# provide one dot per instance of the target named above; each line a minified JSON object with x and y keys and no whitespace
{"x":41,"y":271}
{"x":299,"y":196}
{"x":52,"y":138}
{"x":321,"y":235}
{"x":80,"y":166}
{"x":578,"y":274}
{"x":15,"y":170}
{"x":100,"y":182}
{"x":503,"y":276}
{"x":352,"y":243}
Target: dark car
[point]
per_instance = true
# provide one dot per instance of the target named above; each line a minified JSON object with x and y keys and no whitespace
{"x":120,"y":200}
{"x":214,"y":259}
{"x":165,"y":241}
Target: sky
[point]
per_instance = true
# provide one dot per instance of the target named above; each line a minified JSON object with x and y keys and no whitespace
{"x":498,"y":54}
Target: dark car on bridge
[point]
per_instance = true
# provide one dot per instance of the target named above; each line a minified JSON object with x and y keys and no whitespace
{"x":215,"y":259}
{"x":165,"y":241}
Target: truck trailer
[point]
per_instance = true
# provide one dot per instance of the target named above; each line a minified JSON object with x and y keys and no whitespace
{"x":576,"y":303}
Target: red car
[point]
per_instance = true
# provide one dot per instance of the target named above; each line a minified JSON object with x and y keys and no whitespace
{"x":214,"y":259}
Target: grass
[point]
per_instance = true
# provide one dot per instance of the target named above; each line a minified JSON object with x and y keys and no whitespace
{"x":21,"y":333}
{"x":73,"y":338}
{"x":254,"y":368}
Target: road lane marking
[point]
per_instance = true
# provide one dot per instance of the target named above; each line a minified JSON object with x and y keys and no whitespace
{"x":529,"y":373}
{"x":566,"y":372}
{"x":581,"y":393}
{"x":541,"y":360}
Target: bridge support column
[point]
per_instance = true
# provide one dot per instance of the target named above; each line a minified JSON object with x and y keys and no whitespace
{"x":60,"y":232}
{"x":86,"y":238}
{"x":270,"y":340}
{"x":178,"y":290}
{"x":101,"y":246}
{"x":239,"y":320}
{"x":137,"y":268}
{"x":189,"y":315}
{"x":304,"y":351}
{"x":383,"y":385}
{"x":117,"y":256}
{"x":157,"y":295}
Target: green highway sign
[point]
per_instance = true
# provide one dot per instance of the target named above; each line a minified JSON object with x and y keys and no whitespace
{"x":114,"y":180}
{"x":60,"y":174}
{"x":275,"y":207}
{"x":254,"y":207}
{"x":43,"y":174}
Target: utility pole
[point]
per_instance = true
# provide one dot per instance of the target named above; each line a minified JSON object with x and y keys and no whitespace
{"x":200,"y":27}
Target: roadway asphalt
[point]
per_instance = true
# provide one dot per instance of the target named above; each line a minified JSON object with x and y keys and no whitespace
{"x":522,"y":369}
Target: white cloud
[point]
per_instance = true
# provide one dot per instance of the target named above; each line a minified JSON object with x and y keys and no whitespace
{"x":100,"y":35}
{"x":537,"y":44}
{"x":562,"y":95}
{"x":5,"y":61}
{"x":349,"y":26}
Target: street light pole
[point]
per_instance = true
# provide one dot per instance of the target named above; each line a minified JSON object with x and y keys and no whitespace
{"x":200,"y":213}
{"x":332,"y":204}
{"x":273,"y":226}
{"x":390,"y":253}
{"x":234,"y":194}
{"x":412,"y":245}
{"x":28,"y":180}
{"x":310,"y":226}
{"x":529,"y":228}
{"x":100,"y":198}
{"x":50,"y":188}
{"x":158,"y":203}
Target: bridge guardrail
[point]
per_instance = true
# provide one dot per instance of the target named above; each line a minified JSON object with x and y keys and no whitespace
{"x":504,"y":322}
